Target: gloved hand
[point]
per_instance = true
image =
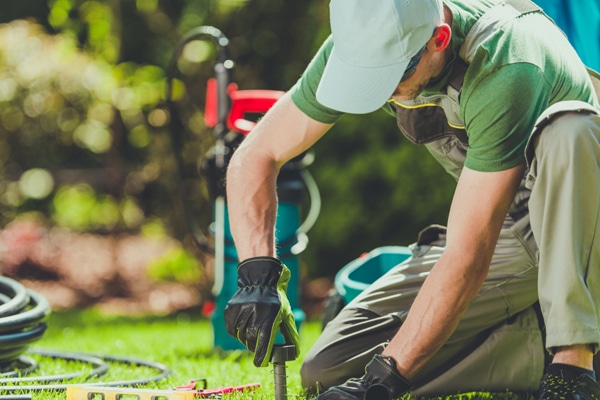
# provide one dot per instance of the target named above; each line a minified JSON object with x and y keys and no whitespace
{"x":381,"y":381}
{"x":260,"y":307}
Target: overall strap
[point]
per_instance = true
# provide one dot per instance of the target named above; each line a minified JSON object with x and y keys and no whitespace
{"x":524,"y":6}
{"x":491,"y":21}
{"x":426,"y":119}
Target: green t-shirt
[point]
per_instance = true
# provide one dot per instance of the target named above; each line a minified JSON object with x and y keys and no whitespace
{"x":514,"y":75}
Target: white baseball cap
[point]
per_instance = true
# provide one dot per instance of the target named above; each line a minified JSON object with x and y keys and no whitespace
{"x":373,"y":42}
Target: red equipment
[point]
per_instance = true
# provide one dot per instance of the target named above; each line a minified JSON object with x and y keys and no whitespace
{"x":242,"y":103}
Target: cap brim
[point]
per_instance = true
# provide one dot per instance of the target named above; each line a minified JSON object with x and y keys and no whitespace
{"x":355,"y":89}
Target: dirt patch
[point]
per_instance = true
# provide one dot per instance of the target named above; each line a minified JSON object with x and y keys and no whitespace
{"x":110,"y":272}
{"x":83,"y":269}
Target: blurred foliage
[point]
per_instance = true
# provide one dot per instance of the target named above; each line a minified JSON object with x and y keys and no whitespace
{"x":176,"y":265}
{"x":378,"y":189}
{"x":84,"y":132}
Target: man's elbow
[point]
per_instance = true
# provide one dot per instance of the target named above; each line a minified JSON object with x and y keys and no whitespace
{"x":250,"y":162}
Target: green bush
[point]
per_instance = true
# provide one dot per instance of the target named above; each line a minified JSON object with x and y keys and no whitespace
{"x":176,"y":265}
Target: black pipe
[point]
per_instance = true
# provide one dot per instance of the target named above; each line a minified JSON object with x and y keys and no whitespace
{"x":22,"y":320}
{"x":222,"y":72}
{"x":44,"y":382}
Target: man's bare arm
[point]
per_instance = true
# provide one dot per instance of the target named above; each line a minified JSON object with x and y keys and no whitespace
{"x":283,"y":133}
{"x":478,"y":209}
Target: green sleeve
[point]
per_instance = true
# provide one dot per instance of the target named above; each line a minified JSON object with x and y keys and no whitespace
{"x":500,"y":111}
{"x":305,"y":90}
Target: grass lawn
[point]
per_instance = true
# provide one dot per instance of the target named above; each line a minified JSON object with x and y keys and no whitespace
{"x":181,"y":342}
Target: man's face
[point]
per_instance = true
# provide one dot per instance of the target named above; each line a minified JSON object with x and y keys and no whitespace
{"x":415,"y":84}
{"x":431,"y":63}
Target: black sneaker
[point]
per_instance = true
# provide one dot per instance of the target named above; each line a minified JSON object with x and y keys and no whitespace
{"x":555,"y":387}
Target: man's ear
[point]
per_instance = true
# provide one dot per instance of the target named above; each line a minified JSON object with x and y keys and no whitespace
{"x":442,"y":36}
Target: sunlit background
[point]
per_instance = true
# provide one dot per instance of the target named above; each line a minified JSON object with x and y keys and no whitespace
{"x":90,"y":208}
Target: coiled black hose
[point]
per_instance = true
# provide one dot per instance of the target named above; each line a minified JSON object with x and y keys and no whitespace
{"x":100,"y":364}
{"x":22,"y":320}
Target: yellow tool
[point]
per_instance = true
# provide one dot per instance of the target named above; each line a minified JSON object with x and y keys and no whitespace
{"x":187,"y":392}
{"x":91,"y":392}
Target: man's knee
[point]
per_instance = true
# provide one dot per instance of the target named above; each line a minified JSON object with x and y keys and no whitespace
{"x":315,"y":376}
{"x":309,"y":373}
{"x":330,"y":365}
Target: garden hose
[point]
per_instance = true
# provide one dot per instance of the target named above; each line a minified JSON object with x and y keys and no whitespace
{"x":22,"y":320}
{"x":222,"y":70}
{"x":99,"y":368}
{"x":97,"y":361}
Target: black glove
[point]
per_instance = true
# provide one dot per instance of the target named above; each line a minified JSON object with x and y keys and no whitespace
{"x":381,"y":381}
{"x":260,"y":308}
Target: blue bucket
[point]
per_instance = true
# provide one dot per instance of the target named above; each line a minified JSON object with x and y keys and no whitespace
{"x":357,"y":275}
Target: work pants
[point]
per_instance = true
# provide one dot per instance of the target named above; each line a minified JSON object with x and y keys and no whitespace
{"x":499,"y":343}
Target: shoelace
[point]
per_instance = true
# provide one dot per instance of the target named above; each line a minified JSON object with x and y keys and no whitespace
{"x":556,"y":387}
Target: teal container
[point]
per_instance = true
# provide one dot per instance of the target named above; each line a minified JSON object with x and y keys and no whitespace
{"x":358,"y":274}
{"x":287,"y":223}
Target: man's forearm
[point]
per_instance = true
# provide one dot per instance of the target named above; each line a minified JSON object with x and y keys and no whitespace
{"x":283,"y":133}
{"x":252,"y":204}
{"x":434,"y":315}
{"x":473,"y":230}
